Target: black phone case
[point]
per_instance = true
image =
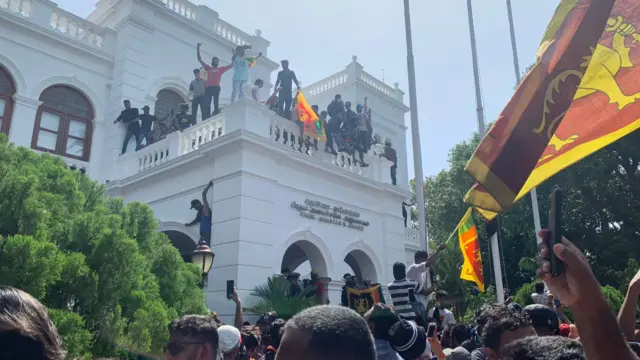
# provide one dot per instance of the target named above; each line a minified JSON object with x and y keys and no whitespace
{"x":555,"y":230}
{"x":230,"y":286}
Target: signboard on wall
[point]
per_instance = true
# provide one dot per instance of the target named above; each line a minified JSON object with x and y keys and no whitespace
{"x":326,"y":213}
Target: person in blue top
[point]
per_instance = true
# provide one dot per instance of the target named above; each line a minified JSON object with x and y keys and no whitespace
{"x":203,"y":216}
{"x":241,"y":70}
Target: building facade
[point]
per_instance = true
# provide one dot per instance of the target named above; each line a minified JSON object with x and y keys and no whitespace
{"x":63,"y":80}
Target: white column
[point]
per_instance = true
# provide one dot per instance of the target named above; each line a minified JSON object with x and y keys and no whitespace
{"x":334,"y":292}
{"x":23,"y":120}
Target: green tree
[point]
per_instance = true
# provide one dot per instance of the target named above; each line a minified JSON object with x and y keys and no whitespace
{"x":109,"y":278}
{"x":601,"y":213}
{"x":274,"y":296}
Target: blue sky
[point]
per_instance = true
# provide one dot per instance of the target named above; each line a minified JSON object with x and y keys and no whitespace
{"x":319,"y":40}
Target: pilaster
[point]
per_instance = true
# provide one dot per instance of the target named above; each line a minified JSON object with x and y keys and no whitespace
{"x":23,"y":120}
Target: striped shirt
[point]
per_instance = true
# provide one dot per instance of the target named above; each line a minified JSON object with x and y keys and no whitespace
{"x":399,"y":291}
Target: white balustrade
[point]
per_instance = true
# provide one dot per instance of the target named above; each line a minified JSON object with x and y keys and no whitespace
{"x":231,"y":33}
{"x":412,"y":237}
{"x":77,"y":28}
{"x":153,"y":155}
{"x":285,"y":132}
{"x":182,"y":7}
{"x":327,"y":84}
{"x":379,"y":85}
{"x":195,"y":136}
{"x":20,"y":7}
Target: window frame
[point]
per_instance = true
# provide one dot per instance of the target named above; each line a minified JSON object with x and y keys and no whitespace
{"x":63,"y":136}
{"x":7,"y":115}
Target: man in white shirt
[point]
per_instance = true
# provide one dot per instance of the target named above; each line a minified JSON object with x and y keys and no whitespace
{"x":418,"y":272}
{"x":541,"y":296}
{"x":255,"y":90}
{"x":445,"y":316}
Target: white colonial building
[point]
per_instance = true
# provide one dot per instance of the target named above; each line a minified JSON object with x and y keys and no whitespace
{"x":62,"y":83}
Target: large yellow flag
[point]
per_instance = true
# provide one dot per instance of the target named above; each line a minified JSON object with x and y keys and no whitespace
{"x":470,"y":248}
{"x":582,"y":95}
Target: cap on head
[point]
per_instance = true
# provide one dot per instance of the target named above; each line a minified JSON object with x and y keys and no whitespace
{"x":195,"y":203}
{"x":229,"y":339}
{"x":408,"y":339}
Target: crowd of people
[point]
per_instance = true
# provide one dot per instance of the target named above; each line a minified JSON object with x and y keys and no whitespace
{"x":385,"y":332}
{"x":347,"y":131}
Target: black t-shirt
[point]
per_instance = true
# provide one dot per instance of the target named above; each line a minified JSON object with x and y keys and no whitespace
{"x":129,"y":116}
{"x":286,"y":79}
{"x":147,"y":120}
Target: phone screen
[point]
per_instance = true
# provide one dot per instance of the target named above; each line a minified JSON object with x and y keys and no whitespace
{"x":431,"y":330}
{"x":230,"y":287}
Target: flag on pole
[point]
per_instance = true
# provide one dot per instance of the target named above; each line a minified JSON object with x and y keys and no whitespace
{"x":361,"y":300}
{"x":313,"y":126}
{"x":509,"y":153}
{"x":470,"y":248}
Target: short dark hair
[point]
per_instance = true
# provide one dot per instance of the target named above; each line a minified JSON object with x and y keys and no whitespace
{"x":127,"y":101}
{"x":196,"y":71}
{"x":497,"y":320}
{"x":198,"y":326}
{"x":383,"y":318}
{"x":335,"y":332}
{"x":258,"y":82}
{"x":420,"y":254}
{"x":26,"y":331}
{"x":399,"y":270}
{"x":539,"y":288}
{"x":283,"y":62}
{"x":315,"y":107}
{"x":544,"y":348}
{"x":460,"y":333}
{"x":275,"y":332}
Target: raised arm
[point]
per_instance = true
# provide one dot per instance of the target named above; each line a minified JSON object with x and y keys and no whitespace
{"x":627,"y":314}
{"x":205,"y":204}
{"x":366,"y":107}
{"x":200,"y":57}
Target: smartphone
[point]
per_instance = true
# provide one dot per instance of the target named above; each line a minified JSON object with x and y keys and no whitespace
{"x":231,"y":285}
{"x":431,"y":330}
{"x":555,"y":230}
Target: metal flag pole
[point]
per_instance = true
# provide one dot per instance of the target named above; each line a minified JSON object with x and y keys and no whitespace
{"x":415,"y":130}
{"x":516,"y":65}
{"x":495,"y":248}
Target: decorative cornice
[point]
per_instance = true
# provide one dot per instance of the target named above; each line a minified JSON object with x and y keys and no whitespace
{"x":26,"y":101}
{"x":137,"y":22}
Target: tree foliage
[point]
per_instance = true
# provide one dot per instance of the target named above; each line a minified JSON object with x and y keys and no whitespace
{"x":601,"y":216}
{"x":274,"y":295}
{"x":108,"y":277}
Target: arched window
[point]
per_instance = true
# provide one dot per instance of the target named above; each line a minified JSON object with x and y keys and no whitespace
{"x":7,"y":90}
{"x":167,"y":100}
{"x":63,"y":123}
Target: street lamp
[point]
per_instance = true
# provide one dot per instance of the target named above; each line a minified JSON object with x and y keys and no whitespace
{"x":203,"y":257}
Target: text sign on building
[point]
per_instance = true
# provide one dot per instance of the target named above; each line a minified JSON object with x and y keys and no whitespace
{"x":330,"y":214}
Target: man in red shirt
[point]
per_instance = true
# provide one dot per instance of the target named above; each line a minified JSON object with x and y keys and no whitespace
{"x":214,"y":74}
{"x":319,"y":287}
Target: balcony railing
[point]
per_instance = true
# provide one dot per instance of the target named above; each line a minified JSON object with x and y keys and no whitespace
{"x":412,"y":238}
{"x":47,"y":15}
{"x":250,"y":116}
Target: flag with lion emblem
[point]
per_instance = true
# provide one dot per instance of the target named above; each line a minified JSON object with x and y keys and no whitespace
{"x":361,"y":300}
{"x":581,"y":96}
{"x":313,"y":125}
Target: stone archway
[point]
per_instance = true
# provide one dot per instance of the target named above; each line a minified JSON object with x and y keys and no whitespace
{"x":363,"y":262}
{"x":305,"y":247}
{"x":182,"y":237}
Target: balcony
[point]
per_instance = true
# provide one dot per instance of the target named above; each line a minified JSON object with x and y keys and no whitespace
{"x":412,"y":238}
{"x":254,"y":119}
{"x":46,"y":15}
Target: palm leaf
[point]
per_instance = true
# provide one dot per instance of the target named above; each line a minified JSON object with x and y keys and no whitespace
{"x":274,"y":296}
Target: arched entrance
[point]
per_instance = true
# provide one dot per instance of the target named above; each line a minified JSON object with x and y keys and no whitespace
{"x":303,"y":256}
{"x":7,"y":90}
{"x":360,"y":260}
{"x":183,"y":238}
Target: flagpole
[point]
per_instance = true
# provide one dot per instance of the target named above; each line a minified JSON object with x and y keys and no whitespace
{"x":516,"y":65}
{"x":495,"y":248}
{"x":415,"y":130}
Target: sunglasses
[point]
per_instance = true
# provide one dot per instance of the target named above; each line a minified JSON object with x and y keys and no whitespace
{"x":175,"y":348}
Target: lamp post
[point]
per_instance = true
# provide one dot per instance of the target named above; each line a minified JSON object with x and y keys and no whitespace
{"x":203,"y":257}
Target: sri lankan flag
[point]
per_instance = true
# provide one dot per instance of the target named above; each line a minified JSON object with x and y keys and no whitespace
{"x":313,"y":126}
{"x":470,"y":248}
{"x":363,"y":300}
{"x":581,"y":58}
